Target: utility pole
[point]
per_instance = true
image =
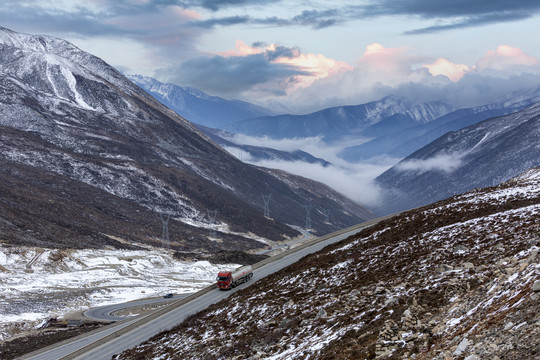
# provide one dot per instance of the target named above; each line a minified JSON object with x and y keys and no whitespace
{"x":308,"y":215}
{"x":266,"y":199}
{"x":165,"y":229}
{"x":212,"y":214}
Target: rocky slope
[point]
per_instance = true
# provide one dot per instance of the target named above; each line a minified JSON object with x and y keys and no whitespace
{"x":459,"y":279}
{"x":198,"y":106}
{"x":480,"y":155}
{"x":86,"y":154}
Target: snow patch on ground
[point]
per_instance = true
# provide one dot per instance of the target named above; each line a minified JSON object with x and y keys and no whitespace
{"x":38,"y":284}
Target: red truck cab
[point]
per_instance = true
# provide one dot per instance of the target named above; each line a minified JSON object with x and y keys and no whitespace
{"x":224,"y":280}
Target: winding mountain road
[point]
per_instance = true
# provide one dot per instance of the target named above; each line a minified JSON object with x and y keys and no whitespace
{"x":107,"y":312}
{"x":113,"y":339}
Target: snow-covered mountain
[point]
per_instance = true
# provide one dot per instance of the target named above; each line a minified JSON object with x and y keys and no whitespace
{"x":376,"y":118}
{"x":407,"y":140}
{"x":197,"y":106}
{"x":455,"y":280}
{"x":89,"y":159}
{"x":483,"y":154}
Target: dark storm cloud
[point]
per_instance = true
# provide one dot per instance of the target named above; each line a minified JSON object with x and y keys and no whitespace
{"x":16,"y":15}
{"x":232,"y":75}
{"x":473,"y":21}
{"x":433,"y":9}
{"x":215,"y":5}
{"x":282,"y":51}
{"x":37,"y":16}
{"x":150,"y":23}
{"x":447,"y":15}
{"x":318,"y":19}
{"x":224,"y":21}
{"x":312,"y":18}
{"x":458,"y":13}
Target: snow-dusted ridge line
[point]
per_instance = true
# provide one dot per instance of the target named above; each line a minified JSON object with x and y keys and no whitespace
{"x":480,"y":264}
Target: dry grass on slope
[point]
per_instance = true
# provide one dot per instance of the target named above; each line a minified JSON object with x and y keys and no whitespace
{"x":418,"y":284}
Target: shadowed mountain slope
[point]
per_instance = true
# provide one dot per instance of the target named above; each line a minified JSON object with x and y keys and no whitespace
{"x":69,"y":121}
{"x":480,"y":155}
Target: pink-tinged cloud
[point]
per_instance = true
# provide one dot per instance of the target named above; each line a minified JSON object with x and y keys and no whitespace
{"x":316,"y":65}
{"x":242,"y":49}
{"x":389,"y":66}
{"x":441,"y":66}
{"x":505,"y":57}
{"x":379,"y":58}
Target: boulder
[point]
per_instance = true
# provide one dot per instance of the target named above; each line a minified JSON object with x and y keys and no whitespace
{"x":462,"y":347}
{"x":322,"y":314}
{"x":461,"y":248}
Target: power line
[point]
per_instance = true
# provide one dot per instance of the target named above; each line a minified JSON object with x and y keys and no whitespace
{"x":266,"y":199}
{"x":212,"y":214}
{"x":308,"y":215}
{"x":165,"y":229}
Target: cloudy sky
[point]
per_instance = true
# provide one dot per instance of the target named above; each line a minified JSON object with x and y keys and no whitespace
{"x":305,"y":54}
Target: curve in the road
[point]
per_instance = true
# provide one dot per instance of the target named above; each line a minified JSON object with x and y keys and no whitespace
{"x":106,"y":313}
{"x":128,"y":334}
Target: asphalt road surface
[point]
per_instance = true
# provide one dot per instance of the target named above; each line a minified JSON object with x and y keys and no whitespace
{"x":115,"y":338}
{"x":106,"y":313}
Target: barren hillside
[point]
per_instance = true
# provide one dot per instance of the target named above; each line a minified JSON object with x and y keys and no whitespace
{"x":456,"y":279}
{"x":85,"y":153}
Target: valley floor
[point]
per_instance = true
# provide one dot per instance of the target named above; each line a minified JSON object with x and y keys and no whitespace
{"x":41,"y":284}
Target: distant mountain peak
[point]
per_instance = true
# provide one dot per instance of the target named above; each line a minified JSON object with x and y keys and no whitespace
{"x":197,"y":106}
{"x":340,"y":121}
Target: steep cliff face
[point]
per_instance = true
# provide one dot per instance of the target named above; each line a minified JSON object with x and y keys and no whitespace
{"x":81,"y":139}
{"x":454,"y":279}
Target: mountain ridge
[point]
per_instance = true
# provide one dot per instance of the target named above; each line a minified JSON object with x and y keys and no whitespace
{"x":485,"y":154}
{"x":197,"y":106}
{"x":338,"y":121}
{"x":101,"y":131}
{"x":454,"y":279}
{"x":407,"y":140}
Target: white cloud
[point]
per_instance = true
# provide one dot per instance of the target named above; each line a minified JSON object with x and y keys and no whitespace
{"x":398,"y":71}
{"x":354,"y":180}
{"x":442,"y":163}
{"x":505,"y":58}
{"x":447,"y":68}
{"x":288,"y":144}
{"x":355,"y":183}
